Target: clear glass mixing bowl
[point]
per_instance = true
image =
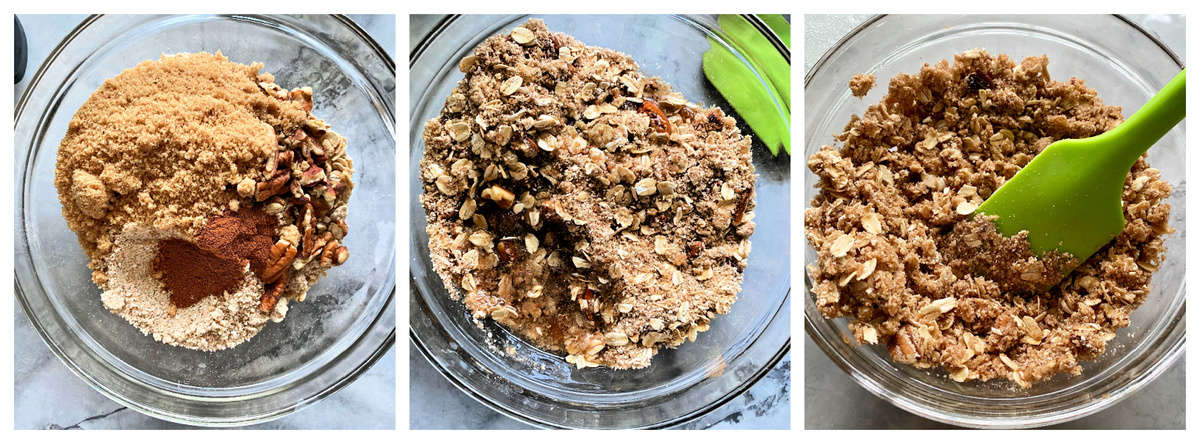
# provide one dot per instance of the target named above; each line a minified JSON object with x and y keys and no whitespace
{"x":348,"y":320}
{"x":539,"y":387}
{"x":1126,"y":66}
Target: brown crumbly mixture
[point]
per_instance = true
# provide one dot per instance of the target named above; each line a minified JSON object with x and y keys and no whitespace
{"x":974,"y":248}
{"x":860,"y":84}
{"x":895,"y":201}
{"x":584,"y":205}
{"x":162,"y":148}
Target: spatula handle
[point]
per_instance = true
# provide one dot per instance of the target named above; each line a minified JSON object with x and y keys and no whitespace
{"x":1141,"y":130}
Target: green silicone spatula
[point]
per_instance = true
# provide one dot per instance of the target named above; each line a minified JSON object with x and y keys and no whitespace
{"x":1069,"y":197}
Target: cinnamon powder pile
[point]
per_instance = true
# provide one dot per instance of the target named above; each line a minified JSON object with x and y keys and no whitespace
{"x":215,"y":262}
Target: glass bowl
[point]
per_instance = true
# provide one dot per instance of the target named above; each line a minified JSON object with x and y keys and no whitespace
{"x":348,"y":320}
{"x":541,"y":388}
{"x":1126,"y":66}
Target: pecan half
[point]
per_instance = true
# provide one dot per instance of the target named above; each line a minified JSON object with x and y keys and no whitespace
{"x":282,"y":254}
{"x":272,"y":187}
{"x":329,"y":255}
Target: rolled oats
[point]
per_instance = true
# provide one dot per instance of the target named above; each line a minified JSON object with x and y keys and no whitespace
{"x":944,"y":288}
{"x":602,"y":173}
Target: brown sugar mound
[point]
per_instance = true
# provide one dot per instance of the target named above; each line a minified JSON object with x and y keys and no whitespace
{"x":165,"y":143}
{"x":582,"y":204}
{"x":899,"y":253}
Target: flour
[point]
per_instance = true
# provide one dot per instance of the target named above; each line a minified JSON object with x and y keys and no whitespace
{"x":214,"y":323}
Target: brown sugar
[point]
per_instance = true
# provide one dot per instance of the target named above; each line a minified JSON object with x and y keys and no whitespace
{"x":583,"y":204}
{"x":900,"y":254}
{"x":198,"y":181}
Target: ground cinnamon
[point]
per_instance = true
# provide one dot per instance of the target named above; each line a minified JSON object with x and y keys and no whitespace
{"x":213,"y":264}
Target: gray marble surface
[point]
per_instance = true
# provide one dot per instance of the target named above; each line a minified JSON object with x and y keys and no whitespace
{"x":833,"y":401}
{"x":48,"y":396}
{"x":436,"y":404}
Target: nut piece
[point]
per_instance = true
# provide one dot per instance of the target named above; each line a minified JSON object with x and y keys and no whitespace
{"x":531,"y":243}
{"x":271,"y":297}
{"x":342,"y":255}
{"x":522,"y":35}
{"x":501,"y":196}
{"x":282,"y":254}
{"x":271,"y":188}
{"x":291,"y":234}
{"x":329,"y":254}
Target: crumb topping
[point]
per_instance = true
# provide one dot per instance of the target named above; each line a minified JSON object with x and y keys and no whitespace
{"x":899,"y":254}
{"x":582,"y":204}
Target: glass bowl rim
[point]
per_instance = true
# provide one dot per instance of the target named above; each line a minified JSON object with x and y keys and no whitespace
{"x":417,"y":299}
{"x":1172,"y":355}
{"x":371,"y":357}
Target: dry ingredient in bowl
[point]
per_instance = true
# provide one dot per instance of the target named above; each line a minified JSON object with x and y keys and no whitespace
{"x":583,"y":205}
{"x":205,"y":197}
{"x":900,"y":254}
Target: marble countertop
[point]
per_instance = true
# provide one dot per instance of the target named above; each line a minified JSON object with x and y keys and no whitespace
{"x":833,"y":401}
{"x":48,"y":396}
{"x":436,"y":404}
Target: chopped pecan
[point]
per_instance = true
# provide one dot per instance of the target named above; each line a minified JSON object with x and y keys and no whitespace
{"x":271,"y":297}
{"x":312,"y":175}
{"x":740,"y":210}
{"x":339,"y":229}
{"x":302,"y":95}
{"x":501,"y":196}
{"x":342,"y":255}
{"x":282,"y":254}
{"x":657,"y":118}
{"x":509,"y":251}
{"x":319,"y":243}
{"x":307,"y":226}
{"x":329,"y":253}
{"x":272,"y":187}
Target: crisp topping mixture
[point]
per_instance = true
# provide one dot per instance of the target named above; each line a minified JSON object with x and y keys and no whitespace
{"x":900,"y":254}
{"x":582,"y":204}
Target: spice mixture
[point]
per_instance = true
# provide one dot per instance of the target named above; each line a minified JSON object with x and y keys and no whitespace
{"x":584,"y":205}
{"x":204,"y":195}
{"x":898,"y":250}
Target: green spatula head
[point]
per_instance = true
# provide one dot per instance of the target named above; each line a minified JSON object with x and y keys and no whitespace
{"x":1069,"y":197}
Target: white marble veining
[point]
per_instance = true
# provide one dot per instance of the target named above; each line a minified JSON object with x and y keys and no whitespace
{"x":436,"y":404}
{"x":833,"y":401}
{"x":48,"y":396}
